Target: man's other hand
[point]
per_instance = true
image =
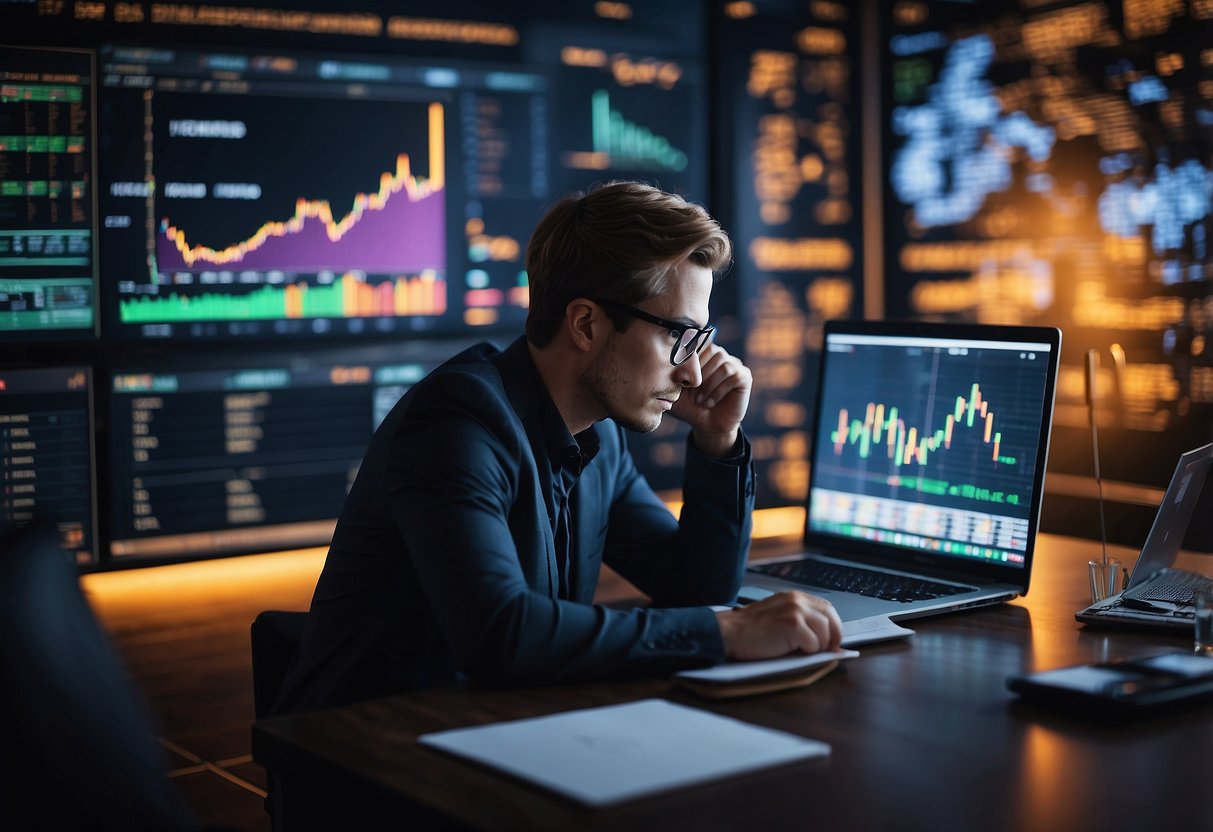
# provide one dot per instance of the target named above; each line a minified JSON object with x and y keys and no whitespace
{"x":715,"y":408}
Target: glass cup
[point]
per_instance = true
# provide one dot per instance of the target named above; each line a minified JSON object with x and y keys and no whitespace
{"x":1204,"y":621}
{"x":1105,"y":578}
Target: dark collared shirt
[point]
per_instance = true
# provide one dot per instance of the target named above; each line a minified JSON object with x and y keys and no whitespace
{"x":568,"y":455}
{"x":568,"y":466}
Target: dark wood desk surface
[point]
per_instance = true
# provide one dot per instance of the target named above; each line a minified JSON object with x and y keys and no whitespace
{"x":925,"y":735}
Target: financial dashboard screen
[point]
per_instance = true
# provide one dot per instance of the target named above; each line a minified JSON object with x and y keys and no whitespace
{"x":248,"y":194}
{"x":180,"y":182}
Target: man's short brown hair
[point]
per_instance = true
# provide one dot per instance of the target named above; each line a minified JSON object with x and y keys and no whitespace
{"x":618,"y":241}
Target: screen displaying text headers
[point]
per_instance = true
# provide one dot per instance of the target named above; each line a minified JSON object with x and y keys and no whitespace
{"x":46,"y":454}
{"x":248,"y":457}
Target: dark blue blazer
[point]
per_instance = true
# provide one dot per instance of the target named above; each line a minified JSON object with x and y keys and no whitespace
{"x":442,"y":566}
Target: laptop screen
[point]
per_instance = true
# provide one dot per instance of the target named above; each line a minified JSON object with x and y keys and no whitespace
{"x":931,"y":439}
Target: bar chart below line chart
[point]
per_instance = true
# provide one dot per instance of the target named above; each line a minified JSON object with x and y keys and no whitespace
{"x":349,"y":297}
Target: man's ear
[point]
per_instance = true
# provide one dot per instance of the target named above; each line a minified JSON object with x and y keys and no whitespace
{"x":584,"y":321}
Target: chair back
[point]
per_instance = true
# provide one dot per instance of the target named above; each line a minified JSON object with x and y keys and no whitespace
{"x":80,"y":735}
{"x":275,"y":635}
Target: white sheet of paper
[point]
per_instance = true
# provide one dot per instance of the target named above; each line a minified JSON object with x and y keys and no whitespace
{"x":600,"y":756}
{"x":867,"y":630}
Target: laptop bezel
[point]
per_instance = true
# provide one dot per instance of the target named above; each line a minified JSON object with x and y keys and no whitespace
{"x":948,"y":567}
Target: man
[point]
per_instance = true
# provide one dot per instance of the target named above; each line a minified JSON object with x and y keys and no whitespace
{"x":472,"y":538}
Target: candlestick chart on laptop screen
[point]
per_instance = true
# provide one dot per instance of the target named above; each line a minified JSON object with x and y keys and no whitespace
{"x":931,"y":444}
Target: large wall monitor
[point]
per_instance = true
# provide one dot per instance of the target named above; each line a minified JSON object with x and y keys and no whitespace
{"x":255,"y":194}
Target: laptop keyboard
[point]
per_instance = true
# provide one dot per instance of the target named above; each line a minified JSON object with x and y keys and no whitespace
{"x":1174,"y":586}
{"x":868,"y":582}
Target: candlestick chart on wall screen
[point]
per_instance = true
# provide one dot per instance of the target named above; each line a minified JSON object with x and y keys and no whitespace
{"x":954,"y":432}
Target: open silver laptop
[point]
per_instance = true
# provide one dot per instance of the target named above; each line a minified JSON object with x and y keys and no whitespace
{"x":1157,"y":594}
{"x":926,"y":469}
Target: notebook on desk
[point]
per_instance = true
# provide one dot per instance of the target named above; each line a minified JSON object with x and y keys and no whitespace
{"x":617,"y":753}
{"x":1158,"y":595}
{"x":926,"y":469}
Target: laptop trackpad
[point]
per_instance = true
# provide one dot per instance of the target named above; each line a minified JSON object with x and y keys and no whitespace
{"x":750,"y":594}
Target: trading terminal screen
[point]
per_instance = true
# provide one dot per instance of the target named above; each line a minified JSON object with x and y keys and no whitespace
{"x":932,"y":445}
{"x":247,"y":194}
{"x":47,"y":280}
{"x":46,"y":454}
{"x":253,"y":455}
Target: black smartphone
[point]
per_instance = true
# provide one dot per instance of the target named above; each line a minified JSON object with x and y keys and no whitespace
{"x":1122,"y":687}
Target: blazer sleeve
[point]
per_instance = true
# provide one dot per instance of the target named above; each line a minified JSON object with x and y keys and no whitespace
{"x":699,"y":558}
{"x":458,"y":495}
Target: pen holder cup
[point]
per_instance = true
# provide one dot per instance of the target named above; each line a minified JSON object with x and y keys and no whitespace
{"x":1203,"y":621}
{"x":1105,"y":578}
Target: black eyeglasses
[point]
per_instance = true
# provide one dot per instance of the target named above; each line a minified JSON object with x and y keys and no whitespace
{"x":688,"y":340}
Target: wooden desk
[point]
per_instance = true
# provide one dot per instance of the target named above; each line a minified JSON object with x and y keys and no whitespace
{"x":925,"y":735}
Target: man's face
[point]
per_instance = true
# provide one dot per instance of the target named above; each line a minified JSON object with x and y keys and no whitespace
{"x":632,"y":377}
